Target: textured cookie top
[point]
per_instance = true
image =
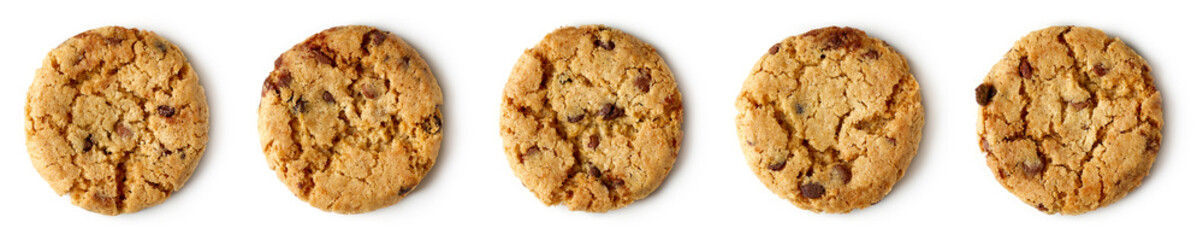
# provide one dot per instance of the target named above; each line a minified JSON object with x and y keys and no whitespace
{"x":1070,"y":120}
{"x":117,"y":119}
{"x":591,"y":118}
{"x":830,"y":119}
{"x":349,"y":119}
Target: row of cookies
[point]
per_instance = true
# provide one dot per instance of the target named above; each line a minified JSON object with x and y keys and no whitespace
{"x":350,"y":119}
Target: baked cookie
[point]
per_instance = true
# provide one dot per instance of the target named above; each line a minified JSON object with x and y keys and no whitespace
{"x":591,"y":119}
{"x":1070,"y":120}
{"x":349,"y":119}
{"x":830,"y":119}
{"x":117,"y":119}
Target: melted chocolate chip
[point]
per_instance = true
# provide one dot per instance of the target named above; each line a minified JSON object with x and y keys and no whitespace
{"x":841,"y":173}
{"x":871,"y":54}
{"x":644,"y":80}
{"x":321,"y":56}
{"x":1099,"y":70}
{"x":775,"y":48}
{"x":610,"y":112}
{"x":88,"y":143}
{"x":777,"y":166}
{"x":328,"y":97}
{"x":166,"y":111}
{"x":576,"y":118}
{"x":607,"y":45}
{"x":1025,"y":68}
{"x":985,"y":92}
{"x":594,"y":140}
{"x":811,"y":190}
{"x":284,"y":79}
{"x":1080,"y":105}
{"x":1033,"y":168}
{"x":299,"y":105}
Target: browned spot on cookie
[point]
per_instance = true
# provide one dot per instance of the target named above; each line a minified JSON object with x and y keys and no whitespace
{"x":1153,"y":145}
{"x":672,"y":103}
{"x":328,"y":97}
{"x":1099,"y":70}
{"x":88,"y":143}
{"x":841,"y":173}
{"x":121,"y":130}
{"x":575,"y":118}
{"x":594,"y":140}
{"x":644,"y":80}
{"x":610,"y":112}
{"x":1033,"y":167}
{"x":166,"y":111}
{"x":607,"y":45}
{"x":811,"y":190}
{"x":841,"y":38}
{"x":871,"y":54}
{"x":777,"y":166}
{"x":1025,"y":68}
{"x":985,"y":92}
{"x":775,"y":48}
{"x":279,"y":61}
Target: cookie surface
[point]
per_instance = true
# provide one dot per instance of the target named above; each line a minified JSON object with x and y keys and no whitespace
{"x":117,"y":119}
{"x":1070,"y":120}
{"x":591,"y":119}
{"x":830,"y":119}
{"x":349,"y":119}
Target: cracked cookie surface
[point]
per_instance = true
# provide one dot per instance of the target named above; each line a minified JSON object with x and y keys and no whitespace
{"x":1070,"y":119}
{"x":349,"y":119}
{"x":117,"y":119}
{"x":830,"y":119}
{"x":591,"y":119}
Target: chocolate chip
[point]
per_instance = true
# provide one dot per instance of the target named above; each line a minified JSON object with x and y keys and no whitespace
{"x":798,"y":108}
{"x":299,"y":106}
{"x":1025,"y":69}
{"x":1099,"y":70}
{"x":1153,"y":145}
{"x":611,"y":182}
{"x":840,"y":173}
{"x":378,"y":37}
{"x":434,"y":124}
{"x":811,"y":190}
{"x":576,"y":118}
{"x":328,"y":97}
{"x":531,"y":151}
{"x":593,"y":171}
{"x":644,"y":80}
{"x":369,"y":92}
{"x":113,"y":40}
{"x":161,"y":46}
{"x":985,"y":92}
{"x":985,"y":145}
{"x":610,"y":112}
{"x":871,"y":54}
{"x":1080,"y":105}
{"x":320,"y":56}
{"x":403,"y":190}
{"x":775,"y":48}
{"x":594,"y":141}
{"x":88,"y":143}
{"x":121,"y":130}
{"x":607,"y":45}
{"x":166,"y":152}
{"x":166,"y":111}
{"x":1033,"y":167}
{"x":1041,"y":207}
{"x":777,"y":166}
{"x":268,"y":86}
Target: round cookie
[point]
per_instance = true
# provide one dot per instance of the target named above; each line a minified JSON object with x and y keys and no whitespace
{"x":830,"y":119}
{"x":117,"y":119}
{"x":591,"y":119}
{"x":1070,"y":120}
{"x":349,"y":119}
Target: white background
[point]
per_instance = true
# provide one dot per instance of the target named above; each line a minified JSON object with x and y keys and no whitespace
{"x":711,"y":193}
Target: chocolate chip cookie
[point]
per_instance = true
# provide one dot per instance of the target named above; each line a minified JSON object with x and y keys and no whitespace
{"x":591,"y":119}
{"x":1070,"y":119}
{"x":830,"y":119}
{"x":349,"y":119}
{"x":117,"y":119}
